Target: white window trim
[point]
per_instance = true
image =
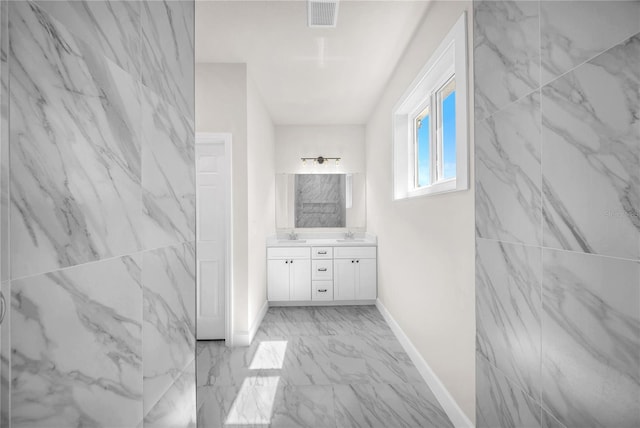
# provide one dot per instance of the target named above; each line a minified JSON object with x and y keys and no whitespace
{"x":449,"y":58}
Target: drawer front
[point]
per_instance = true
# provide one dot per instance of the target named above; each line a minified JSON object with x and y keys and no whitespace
{"x":354,"y":252}
{"x":322,"y":270}
{"x":322,"y":252}
{"x":322,"y":290}
{"x":290,"y":253}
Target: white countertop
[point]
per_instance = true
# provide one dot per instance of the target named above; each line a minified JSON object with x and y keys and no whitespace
{"x":323,"y":240}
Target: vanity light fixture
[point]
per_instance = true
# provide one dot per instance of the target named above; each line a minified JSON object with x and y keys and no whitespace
{"x":320,"y":160}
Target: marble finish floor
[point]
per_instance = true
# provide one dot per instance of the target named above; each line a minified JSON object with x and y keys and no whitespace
{"x":315,"y":367}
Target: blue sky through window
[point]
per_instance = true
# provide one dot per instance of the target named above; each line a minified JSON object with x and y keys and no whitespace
{"x":449,"y":135}
{"x":424,"y":165}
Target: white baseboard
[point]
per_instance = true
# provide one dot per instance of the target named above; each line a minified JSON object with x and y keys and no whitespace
{"x":244,"y":338}
{"x":453,"y":410}
{"x":324,"y":303}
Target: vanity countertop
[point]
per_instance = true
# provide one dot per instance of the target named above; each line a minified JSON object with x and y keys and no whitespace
{"x":323,"y":240}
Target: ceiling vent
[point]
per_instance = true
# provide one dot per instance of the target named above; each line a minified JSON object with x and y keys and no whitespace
{"x":322,"y":13}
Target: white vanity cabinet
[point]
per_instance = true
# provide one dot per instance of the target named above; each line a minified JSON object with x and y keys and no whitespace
{"x":289,"y":274}
{"x":355,"y":276}
{"x":322,"y":274}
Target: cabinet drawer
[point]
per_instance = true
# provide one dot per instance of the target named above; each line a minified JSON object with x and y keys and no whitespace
{"x":354,"y":252}
{"x":322,"y":290}
{"x":291,"y":253}
{"x":322,"y":270}
{"x":322,"y":252}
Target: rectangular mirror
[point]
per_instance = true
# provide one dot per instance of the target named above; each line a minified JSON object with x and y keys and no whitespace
{"x":308,"y":201}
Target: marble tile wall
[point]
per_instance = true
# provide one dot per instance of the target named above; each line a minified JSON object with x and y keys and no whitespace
{"x":557,"y":226}
{"x":98,"y":178}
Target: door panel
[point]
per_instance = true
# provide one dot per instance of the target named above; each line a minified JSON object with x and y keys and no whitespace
{"x":344,"y":280}
{"x":367,"y":279}
{"x":300,"y":286}
{"x":278,"y":278}
{"x":211,"y":240}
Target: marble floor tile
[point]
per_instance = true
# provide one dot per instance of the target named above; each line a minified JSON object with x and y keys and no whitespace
{"x":590,"y":155}
{"x":176,"y":408}
{"x":567,"y":31}
{"x":309,"y":367}
{"x":591,"y":340}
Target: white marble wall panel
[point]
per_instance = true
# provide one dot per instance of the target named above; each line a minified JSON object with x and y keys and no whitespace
{"x":591,"y":340}
{"x":569,"y":36}
{"x":177,"y":406}
{"x":77,"y":346}
{"x":5,"y":360}
{"x":75,"y":150}
{"x":508,"y":176}
{"x":168,"y":277}
{"x":506,"y":53}
{"x":499,"y":403}
{"x":168,"y":173}
{"x":168,"y":52}
{"x":110,"y":27}
{"x":591,"y":155}
{"x":508,"y":310}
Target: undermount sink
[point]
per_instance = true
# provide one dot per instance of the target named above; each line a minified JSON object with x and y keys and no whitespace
{"x":292,"y":241}
{"x":349,"y":240}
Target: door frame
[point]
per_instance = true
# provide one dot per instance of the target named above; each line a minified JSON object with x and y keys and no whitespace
{"x":226,"y":139}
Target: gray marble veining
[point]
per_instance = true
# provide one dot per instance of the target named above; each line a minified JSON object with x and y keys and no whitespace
{"x":591,"y":340}
{"x":506,"y":53}
{"x":591,"y":137}
{"x":167,"y":66}
{"x":508,"y":310}
{"x":499,"y":403}
{"x":75,"y":151}
{"x":168,"y":275}
{"x":77,"y":346}
{"x":177,"y":406}
{"x":316,"y":375}
{"x":508,"y":176}
{"x":111,"y":27}
{"x":168,"y":173}
{"x":568,"y":35}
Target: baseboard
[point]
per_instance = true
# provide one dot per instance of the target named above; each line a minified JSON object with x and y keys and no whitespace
{"x":450,"y":406}
{"x":324,"y":303}
{"x":243,"y":337}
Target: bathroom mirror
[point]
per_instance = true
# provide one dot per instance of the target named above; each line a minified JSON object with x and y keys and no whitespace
{"x":307,"y":201}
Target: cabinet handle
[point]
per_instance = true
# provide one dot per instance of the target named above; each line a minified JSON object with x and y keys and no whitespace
{"x":352,"y":261}
{"x":291,"y":261}
{"x":286,"y":261}
{"x":357,"y":261}
{"x":322,"y":291}
{"x":322,"y":269}
{"x":322,"y":252}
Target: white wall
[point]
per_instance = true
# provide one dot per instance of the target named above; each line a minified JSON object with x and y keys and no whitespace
{"x":425,"y":244}
{"x":335,"y":141}
{"x":221,"y":106}
{"x":261,"y":197}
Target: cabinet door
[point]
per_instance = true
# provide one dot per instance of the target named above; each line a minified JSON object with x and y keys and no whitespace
{"x":367,"y":279}
{"x":278,"y":280}
{"x":300,"y":279}
{"x":344,"y":279}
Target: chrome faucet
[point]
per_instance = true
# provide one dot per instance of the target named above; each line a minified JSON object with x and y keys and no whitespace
{"x":349,"y":235}
{"x":293,"y":236}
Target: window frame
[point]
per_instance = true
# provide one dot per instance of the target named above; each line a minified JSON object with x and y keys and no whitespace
{"x":448,"y":61}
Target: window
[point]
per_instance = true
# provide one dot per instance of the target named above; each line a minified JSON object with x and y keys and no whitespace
{"x":430,"y":123}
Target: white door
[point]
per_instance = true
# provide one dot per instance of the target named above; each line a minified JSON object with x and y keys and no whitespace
{"x":211,"y":176}
{"x":367,"y":279}
{"x":344,"y":286}
{"x":300,"y":285}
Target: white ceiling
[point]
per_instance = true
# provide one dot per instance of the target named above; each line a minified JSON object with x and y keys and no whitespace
{"x":309,"y":75}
